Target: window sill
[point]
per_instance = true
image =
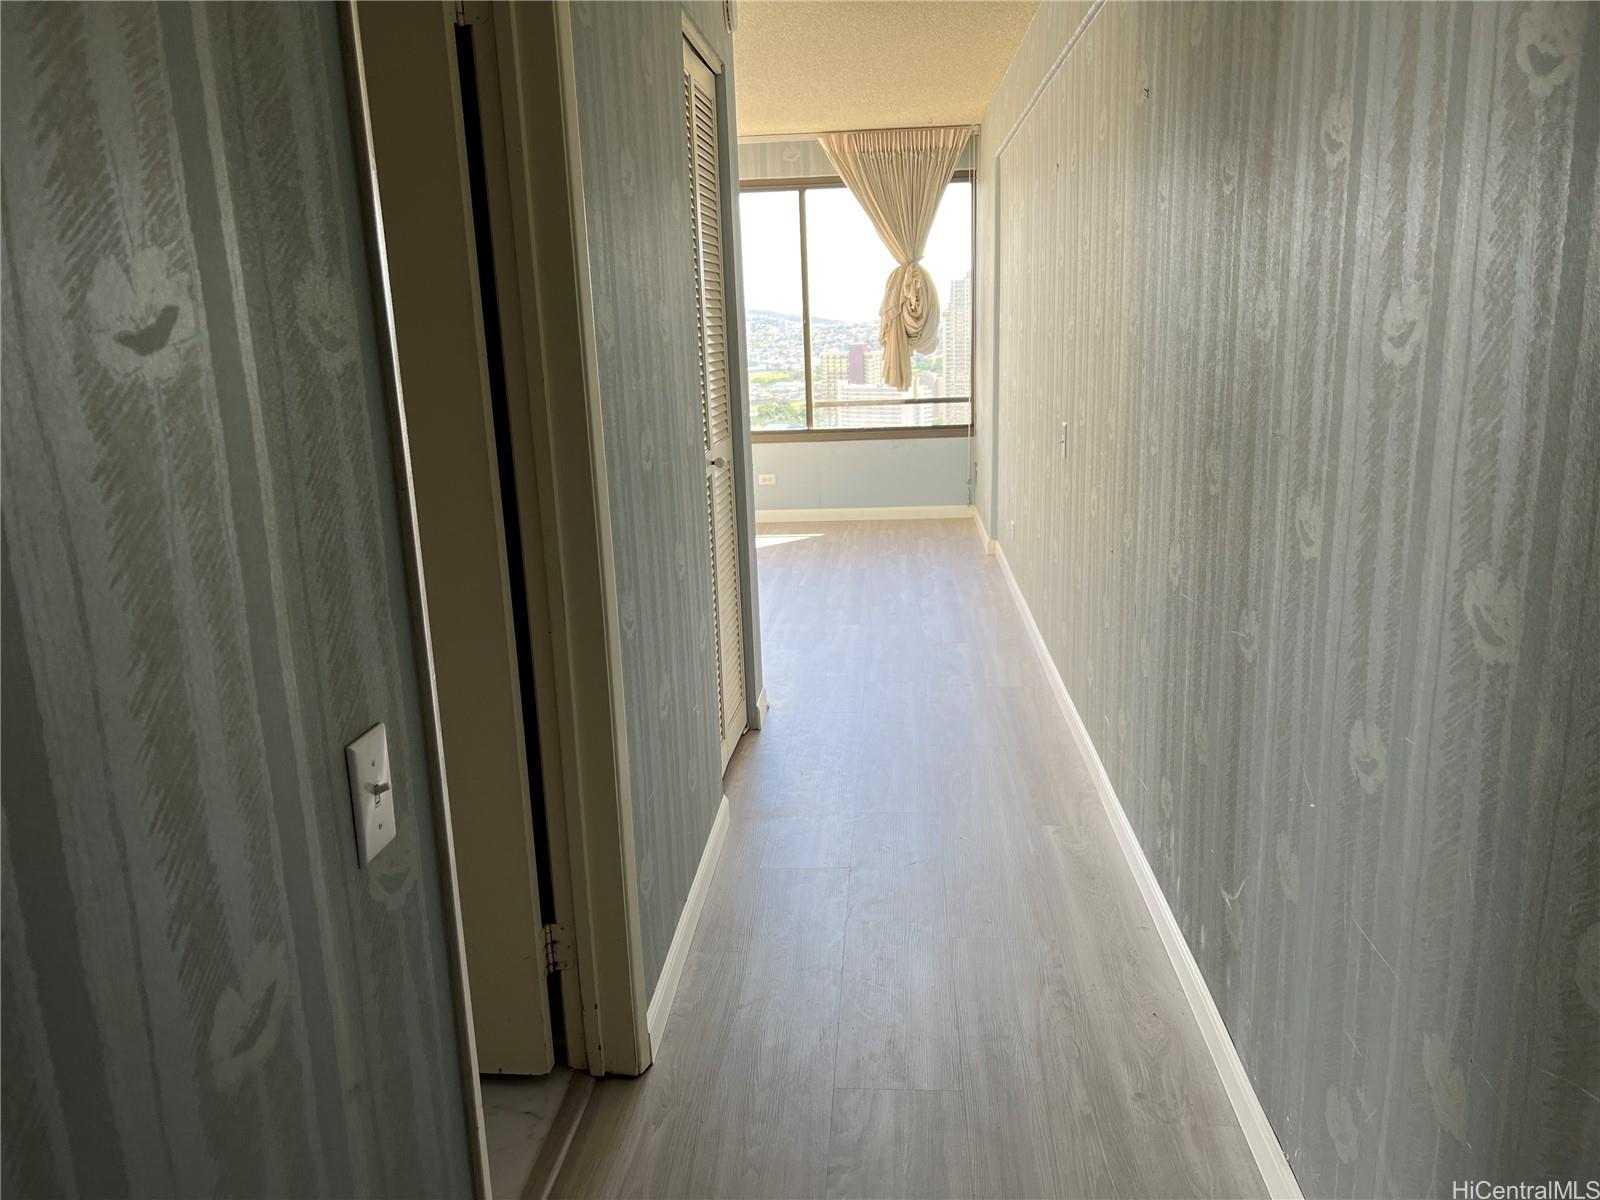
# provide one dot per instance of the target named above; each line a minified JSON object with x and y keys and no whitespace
{"x":859,"y":435}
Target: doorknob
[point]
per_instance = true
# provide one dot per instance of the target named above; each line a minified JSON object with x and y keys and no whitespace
{"x":716,"y":461}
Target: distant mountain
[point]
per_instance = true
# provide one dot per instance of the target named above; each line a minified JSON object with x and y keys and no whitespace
{"x":781,"y":316}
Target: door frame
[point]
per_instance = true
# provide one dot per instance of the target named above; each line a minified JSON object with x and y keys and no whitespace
{"x":359,"y":105}
{"x":561,"y":471}
{"x":559,"y":451}
{"x":565,"y":454}
{"x":449,"y":392}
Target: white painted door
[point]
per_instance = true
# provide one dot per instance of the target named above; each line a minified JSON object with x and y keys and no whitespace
{"x":716,"y":420}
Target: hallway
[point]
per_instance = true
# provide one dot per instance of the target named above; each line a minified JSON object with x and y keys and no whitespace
{"x":923,"y":968}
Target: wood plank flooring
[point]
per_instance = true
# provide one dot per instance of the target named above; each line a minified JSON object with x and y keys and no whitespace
{"x":923,"y":968}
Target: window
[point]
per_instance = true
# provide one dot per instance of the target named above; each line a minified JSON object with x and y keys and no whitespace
{"x":775,"y":335}
{"x":814,"y":272}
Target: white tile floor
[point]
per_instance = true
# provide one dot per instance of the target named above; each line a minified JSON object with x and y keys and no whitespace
{"x":517,"y":1112}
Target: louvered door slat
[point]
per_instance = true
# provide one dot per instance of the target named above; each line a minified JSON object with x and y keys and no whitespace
{"x":702,"y":151}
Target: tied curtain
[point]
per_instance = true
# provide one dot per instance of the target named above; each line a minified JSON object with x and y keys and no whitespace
{"x":898,"y":175}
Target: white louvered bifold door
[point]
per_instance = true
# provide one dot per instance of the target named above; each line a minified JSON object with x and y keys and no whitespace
{"x":716,"y":418}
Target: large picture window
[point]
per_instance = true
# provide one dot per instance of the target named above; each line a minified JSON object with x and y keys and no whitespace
{"x":814,"y":272}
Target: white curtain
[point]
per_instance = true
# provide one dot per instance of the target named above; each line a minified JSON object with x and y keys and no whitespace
{"x":899,"y":175}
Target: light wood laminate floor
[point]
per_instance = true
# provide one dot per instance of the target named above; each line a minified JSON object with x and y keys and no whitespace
{"x":923,"y":968}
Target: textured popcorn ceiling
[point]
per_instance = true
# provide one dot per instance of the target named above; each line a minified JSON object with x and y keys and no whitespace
{"x":810,"y":66}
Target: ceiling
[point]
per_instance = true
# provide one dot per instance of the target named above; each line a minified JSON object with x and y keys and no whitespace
{"x":812,"y":66}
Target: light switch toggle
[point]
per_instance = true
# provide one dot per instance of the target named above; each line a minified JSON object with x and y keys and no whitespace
{"x":371,"y":794}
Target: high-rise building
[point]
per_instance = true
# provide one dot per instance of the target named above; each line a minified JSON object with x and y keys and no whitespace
{"x":874,"y":366}
{"x":832,"y":368}
{"x":958,"y":338}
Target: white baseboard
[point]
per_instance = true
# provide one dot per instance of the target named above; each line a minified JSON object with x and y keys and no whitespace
{"x":989,"y":544}
{"x":1258,"y":1131}
{"x":924,"y":512}
{"x":667,"y":986}
{"x":758,"y":717}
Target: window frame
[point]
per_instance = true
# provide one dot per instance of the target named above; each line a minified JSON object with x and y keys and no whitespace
{"x":810,"y":433}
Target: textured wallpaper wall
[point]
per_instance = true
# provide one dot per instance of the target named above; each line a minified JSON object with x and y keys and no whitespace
{"x":629,"y":72}
{"x":1298,"y":446}
{"x":1054,"y":23}
{"x":802,"y":158}
{"x":203,"y":601}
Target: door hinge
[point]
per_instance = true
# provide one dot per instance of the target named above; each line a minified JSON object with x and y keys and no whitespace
{"x":471,"y":12}
{"x":557,"y":948}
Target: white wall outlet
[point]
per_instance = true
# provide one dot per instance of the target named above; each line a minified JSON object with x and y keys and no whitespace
{"x":371,"y":792}
{"x":766,"y":480}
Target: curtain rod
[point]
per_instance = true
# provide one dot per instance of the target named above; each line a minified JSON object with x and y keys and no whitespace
{"x":753,"y":138}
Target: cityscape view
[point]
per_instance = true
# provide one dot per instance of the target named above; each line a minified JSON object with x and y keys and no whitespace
{"x":847,"y":371}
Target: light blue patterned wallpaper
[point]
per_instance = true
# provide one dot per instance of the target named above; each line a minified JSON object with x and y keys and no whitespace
{"x":1295,"y":452}
{"x":203,"y":601}
{"x":629,"y":76}
{"x":802,"y":158}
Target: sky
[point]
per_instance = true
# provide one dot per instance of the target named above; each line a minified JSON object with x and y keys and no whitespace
{"x":849,"y":265}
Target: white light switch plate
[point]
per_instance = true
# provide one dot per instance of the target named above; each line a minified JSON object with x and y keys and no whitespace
{"x":371,"y":792}
{"x":766,"y":479}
